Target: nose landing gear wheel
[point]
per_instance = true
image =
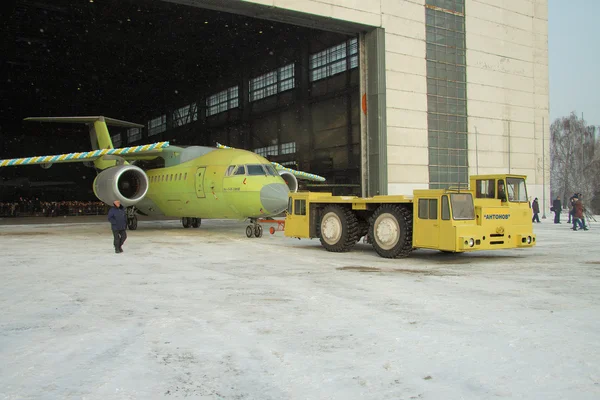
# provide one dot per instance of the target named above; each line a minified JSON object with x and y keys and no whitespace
{"x":132,"y":223}
{"x":249,"y":231}
{"x":196,"y":222}
{"x":258,"y":231}
{"x":185,"y":221}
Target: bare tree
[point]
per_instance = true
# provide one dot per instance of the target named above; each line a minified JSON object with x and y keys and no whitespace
{"x":575,"y":165}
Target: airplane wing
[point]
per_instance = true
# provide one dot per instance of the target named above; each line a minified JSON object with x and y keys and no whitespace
{"x":298,"y":174}
{"x":127,"y":153}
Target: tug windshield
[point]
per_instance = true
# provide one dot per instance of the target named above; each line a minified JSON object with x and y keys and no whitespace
{"x":462,"y":206}
{"x":517,"y":191}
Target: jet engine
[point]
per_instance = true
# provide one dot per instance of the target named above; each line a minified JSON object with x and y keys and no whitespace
{"x":126,"y":183}
{"x":290,"y":180}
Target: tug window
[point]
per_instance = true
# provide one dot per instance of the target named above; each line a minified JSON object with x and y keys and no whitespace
{"x":445,"y":208}
{"x":485,"y":189}
{"x":428,"y":209}
{"x":300,"y":207}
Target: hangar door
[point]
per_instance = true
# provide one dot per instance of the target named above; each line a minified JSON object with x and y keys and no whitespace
{"x":311,"y":99}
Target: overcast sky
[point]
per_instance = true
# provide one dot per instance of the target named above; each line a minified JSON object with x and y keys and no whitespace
{"x":574,"y":49}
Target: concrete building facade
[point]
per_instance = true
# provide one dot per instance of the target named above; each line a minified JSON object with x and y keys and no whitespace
{"x":466,"y":86}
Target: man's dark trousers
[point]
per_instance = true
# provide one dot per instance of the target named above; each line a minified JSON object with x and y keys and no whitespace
{"x":120,"y":237}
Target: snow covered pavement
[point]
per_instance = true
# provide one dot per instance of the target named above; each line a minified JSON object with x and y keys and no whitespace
{"x":210,"y":314}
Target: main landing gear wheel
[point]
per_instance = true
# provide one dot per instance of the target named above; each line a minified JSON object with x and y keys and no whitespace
{"x":132,"y":223}
{"x":338,"y":229}
{"x":196,"y":222}
{"x":391,"y":231}
{"x":254,"y":229}
{"x":185,"y":221}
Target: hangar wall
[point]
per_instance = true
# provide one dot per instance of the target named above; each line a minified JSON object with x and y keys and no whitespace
{"x":507,"y":83}
{"x":507,"y":90}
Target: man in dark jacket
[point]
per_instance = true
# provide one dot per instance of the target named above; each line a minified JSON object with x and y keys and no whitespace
{"x":118,"y":223}
{"x":536,"y":210}
{"x":557,"y":208}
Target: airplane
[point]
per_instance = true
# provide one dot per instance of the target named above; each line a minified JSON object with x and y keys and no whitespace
{"x":191,"y":183}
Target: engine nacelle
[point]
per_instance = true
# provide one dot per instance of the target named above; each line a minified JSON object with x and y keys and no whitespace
{"x":290,"y":180}
{"x":126,"y":183}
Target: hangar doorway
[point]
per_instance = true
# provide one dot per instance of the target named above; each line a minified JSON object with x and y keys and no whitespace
{"x":366,"y":53}
{"x":288,"y":86}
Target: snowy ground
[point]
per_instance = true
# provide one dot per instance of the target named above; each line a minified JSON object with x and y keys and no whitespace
{"x":208,"y":313}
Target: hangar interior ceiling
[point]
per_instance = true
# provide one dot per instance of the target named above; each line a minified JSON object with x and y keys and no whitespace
{"x":192,"y":76}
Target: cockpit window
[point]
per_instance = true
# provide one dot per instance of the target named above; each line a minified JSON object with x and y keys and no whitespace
{"x":271,"y":170}
{"x":255,"y":169}
{"x":230,"y":170}
{"x":241,"y":170}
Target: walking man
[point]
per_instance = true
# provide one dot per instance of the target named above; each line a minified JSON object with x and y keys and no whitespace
{"x":557,"y":208}
{"x":578,"y":217}
{"x":118,"y":223}
{"x":536,"y":210}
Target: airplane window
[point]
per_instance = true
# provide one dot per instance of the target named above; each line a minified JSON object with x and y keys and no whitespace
{"x":230,"y":170}
{"x":185,"y":177}
{"x":171,"y":178}
{"x":241,"y":170}
{"x":271,"y":170}
{"x":180,"y":176}
{"x":255,"y":169}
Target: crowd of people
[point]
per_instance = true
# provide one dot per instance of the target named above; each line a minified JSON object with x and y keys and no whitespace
{"x":37,"y":208}
{"x":577,"y":211}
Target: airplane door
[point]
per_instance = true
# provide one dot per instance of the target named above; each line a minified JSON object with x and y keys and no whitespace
{"x":200,"y":182}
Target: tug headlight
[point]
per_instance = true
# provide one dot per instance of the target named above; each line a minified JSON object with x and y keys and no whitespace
{"x":471,"y":242}
{"x":528,"y":239}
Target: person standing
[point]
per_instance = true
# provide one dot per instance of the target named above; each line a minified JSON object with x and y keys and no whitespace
{"x":536,"y":210}
{"x":557,"y":208}
{"x":118,"y":224}
{"x":572,"y":201}
{"x":578,"y":218}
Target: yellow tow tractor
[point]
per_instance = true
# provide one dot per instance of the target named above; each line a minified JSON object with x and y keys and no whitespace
{"x":493,"y":213}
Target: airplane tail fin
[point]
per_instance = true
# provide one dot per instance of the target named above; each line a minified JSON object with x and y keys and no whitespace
{"x":98,"y":128}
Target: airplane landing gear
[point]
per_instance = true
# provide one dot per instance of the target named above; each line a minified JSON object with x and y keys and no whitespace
{"x":193,"y":222}
{"x":255,"y":229}
{"x":132,"y":221}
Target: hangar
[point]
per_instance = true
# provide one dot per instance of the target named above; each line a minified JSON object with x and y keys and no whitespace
{"x":379,"y":97}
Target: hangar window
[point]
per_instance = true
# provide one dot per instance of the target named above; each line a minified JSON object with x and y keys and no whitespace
{"x":134,"y":134}
{"x":273,"y":82}
{"x":222,"y":101}
{"x":334,"y":60}
{"x":116,"y":140}
{"x":267,"y":151}
{"x":157,"y":125}
{"x":288,"y":148}
{"x":185,"y":115}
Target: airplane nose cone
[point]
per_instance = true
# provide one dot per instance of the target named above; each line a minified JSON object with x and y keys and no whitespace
{"x":274,"y":197}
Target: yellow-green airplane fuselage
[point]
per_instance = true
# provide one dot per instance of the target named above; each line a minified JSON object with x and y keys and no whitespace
{"x":205,"y":187}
